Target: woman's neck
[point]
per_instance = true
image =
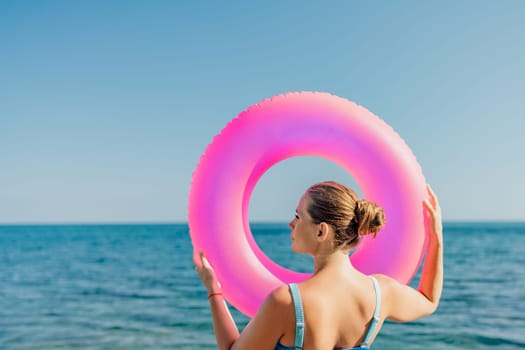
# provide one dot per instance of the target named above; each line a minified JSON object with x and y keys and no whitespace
{"x":337,"y":259}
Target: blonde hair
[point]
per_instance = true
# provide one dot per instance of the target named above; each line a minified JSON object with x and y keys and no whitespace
{"x":340,"y":207}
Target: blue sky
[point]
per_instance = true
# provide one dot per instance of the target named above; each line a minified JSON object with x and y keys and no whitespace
{"x":106,"y":106}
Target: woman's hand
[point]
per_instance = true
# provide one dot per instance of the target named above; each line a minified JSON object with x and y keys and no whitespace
{"x":206,"y":273}
{"x":434,"y":215}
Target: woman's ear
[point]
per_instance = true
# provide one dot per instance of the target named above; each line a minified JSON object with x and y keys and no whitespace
{"x":324,"y":231}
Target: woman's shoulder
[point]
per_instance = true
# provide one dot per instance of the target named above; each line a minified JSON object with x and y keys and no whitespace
{"x":385,"y":282}
{"x":279,"y":304}
{"x":280,"y":296}
{"x":390,"y":289}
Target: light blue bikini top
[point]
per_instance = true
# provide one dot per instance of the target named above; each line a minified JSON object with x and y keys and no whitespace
{"x":299,"y":320}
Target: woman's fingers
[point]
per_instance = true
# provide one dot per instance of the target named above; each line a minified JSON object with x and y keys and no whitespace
{"x":200,"y":261}
{"x":433,"y":200}
{"x":205,"y":271}
{"x":197,"y":259}
{"x":429,"y":206}
{"x":205,"y":261}
{"x":432,"y":196}
{"x":434,"y":213}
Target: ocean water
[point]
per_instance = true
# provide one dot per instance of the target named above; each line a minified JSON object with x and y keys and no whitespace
{"x":135,"y":287}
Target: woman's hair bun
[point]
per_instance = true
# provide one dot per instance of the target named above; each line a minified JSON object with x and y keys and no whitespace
{"x":369,"y":216}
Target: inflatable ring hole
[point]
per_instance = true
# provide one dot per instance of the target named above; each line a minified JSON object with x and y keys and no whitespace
{"x":274,"y":199}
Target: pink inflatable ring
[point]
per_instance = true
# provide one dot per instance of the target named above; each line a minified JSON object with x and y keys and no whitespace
{"x":303,"y":124}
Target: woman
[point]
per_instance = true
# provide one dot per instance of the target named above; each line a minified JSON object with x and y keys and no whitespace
{"x":338,"y":307}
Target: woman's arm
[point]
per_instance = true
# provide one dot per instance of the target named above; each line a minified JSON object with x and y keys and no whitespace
{"x":407,"y":304}
{"x":224,"y":326}
{"x":226,"y":331}
{"x":263,"y":331}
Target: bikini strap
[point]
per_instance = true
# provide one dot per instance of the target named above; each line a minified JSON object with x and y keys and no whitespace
{"x":299,"y":316}
{"x":375,"y":319}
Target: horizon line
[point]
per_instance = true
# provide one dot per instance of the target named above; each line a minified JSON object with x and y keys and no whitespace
{"x":256,"y":222}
